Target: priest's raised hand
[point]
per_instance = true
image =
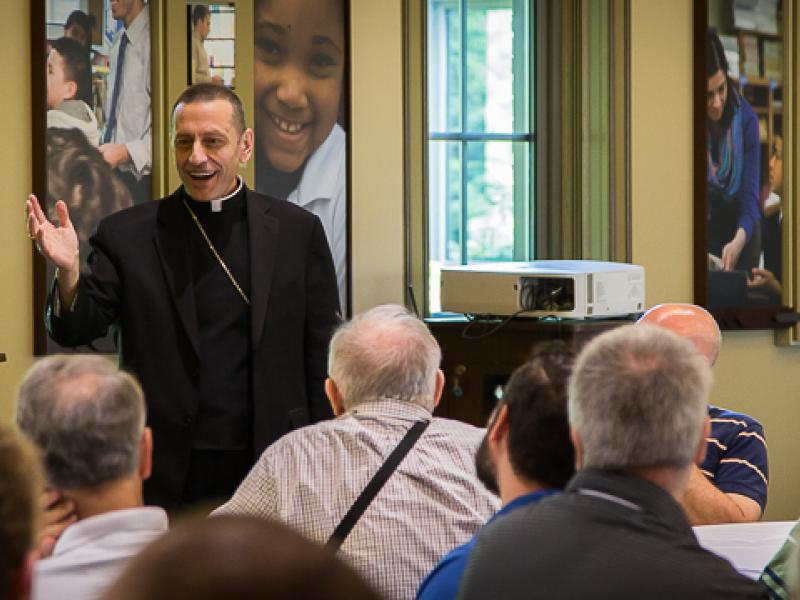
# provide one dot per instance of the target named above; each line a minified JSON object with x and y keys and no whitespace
{"x":57,"y":243}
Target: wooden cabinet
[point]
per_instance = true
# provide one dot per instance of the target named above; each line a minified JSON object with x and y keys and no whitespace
{"x":476,"y":369}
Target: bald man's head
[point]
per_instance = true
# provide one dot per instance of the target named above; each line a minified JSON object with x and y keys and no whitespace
{"x":688,"y":321}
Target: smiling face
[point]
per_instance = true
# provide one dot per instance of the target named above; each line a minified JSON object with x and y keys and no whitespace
{"x":58,"y":88}
{"x":209,"y":147}
{"x":716,"y":95}
{"x":298,"y":77}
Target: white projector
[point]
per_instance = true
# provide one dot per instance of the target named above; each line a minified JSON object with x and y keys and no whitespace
{"x":575,"y":289}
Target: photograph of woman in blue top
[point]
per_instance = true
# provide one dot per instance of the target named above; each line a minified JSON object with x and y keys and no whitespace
{"x":734,"y":159}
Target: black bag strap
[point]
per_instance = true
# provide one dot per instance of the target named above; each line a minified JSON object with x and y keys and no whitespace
{"x":375,"y":484}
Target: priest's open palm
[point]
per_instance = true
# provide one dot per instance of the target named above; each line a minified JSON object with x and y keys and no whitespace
{"x":58,"y":244}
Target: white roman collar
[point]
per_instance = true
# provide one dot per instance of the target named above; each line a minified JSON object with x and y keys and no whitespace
{"x":216,"y":204}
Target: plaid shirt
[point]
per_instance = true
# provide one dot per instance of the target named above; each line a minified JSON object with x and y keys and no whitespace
{"x":432,"y":503}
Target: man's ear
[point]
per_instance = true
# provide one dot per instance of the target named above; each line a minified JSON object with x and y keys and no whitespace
{"x":498,"y":428}
{"x":334,"y":397}
{"x":71,"y":90}
{"x":702,"y":444}
{"x":437,"y":391}
{"x":247,"y":147}
{"x":146,"y":454}
{"x":577,"y":444}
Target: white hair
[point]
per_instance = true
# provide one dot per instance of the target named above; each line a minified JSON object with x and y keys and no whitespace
{"x":384,"y":353}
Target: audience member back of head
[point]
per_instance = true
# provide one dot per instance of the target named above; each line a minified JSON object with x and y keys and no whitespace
{"x":637,"y":411}
{"x":241,"y":558}
{"x":20,"y":482}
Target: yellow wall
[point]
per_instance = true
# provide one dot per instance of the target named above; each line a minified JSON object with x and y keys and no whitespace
{"x":376,"y":135}
{"x":16,"y":313}
{"x":752,"y":374}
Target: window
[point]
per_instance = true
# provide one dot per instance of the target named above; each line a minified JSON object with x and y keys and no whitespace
{"x":517,"y":135}
{"x":480,"y":138}
{"x":220,"y":43}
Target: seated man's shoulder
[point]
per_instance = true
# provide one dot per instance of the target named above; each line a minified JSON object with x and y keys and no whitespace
{"x":316,"y":433}
{"x":456,"y":429}
{"x":618,"y":558}
{"x":731,"y":419}
{"x":455,"y":438}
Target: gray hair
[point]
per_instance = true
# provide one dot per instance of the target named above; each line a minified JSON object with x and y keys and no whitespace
{"x":637,"y":398}
{"x":86,"y":417}
{"x":385,"y":352}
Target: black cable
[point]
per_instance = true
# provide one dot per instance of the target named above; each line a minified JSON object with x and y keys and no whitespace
{"x":483,"y":320}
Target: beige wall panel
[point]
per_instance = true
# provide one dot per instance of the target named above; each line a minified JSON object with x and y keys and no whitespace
{"x":377,"y":152}
{"x":16,"y":262}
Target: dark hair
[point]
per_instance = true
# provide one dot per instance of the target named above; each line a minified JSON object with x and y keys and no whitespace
{"x":82,"y":20}
{"x":539,"y":445}
{"x":716,"y":61}
{"x":240,"y":557}
{"x":78,"y":175}
{"x":20,"y":484}
{"x":199,"y":13}
{"x":715,"y":58}
{"x":208,"y":92}
{"x":77,"y":67}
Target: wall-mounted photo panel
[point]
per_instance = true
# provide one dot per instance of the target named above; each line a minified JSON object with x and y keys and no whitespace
{"x":211,"y":44}
{"x":742,"y":54}
{"x":95,"y":119}
{"x":301,"y":108}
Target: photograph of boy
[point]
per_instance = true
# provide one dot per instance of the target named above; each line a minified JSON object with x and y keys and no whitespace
{"x":300,"y":58}
{"x":76,"y":170}
{"x":76,"y":85}
{"x":69,"y":89}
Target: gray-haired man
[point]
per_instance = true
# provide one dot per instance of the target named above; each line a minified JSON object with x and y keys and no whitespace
{"x":637,"y":411}
{"x":384,"y":380}
{"x":87,"y":418}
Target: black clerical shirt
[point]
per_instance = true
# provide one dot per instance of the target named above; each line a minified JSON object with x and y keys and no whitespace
{"x":223,"y":322}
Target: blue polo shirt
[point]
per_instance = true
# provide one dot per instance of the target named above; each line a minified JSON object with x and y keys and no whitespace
{"x":442,"y":583}
{"x":736,"y":455}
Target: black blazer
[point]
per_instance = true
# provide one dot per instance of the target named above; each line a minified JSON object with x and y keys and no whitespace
{"x":140,"y":281}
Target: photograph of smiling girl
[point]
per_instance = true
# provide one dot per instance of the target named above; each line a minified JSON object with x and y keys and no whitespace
{"x":300,"y":61}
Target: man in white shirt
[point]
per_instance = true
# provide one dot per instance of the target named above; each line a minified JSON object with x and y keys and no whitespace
{"x":201,"y":28}
{"x":127,"y":138}
{"x":88,"y":420}
{"x":384,"y":379}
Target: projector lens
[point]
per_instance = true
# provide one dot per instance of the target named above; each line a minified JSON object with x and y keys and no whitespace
{"x":547,"y":293}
